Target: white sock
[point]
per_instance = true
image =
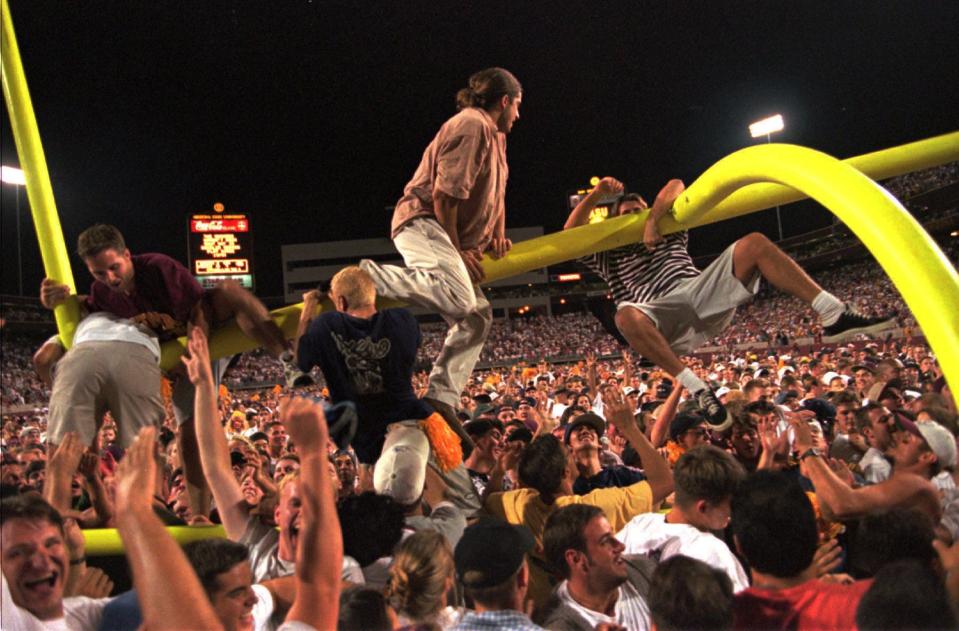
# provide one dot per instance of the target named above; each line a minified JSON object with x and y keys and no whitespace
{"x":828,"y":307}
{"x":690,"y":381}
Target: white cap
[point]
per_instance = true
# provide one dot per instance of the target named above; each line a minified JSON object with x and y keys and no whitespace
{"x":401,"y":470}
{"x":829,"y":376}
{"x":940,"y":440}
{"x":784,"y":370}
{"x":721,"y":391}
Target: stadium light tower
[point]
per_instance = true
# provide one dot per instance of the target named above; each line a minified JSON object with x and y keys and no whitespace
{"x":15,"y":176}
{"x":766,"y":127}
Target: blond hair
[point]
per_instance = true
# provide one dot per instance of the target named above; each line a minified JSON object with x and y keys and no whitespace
{"x":422,"y":565}
{"x":355,"y":285}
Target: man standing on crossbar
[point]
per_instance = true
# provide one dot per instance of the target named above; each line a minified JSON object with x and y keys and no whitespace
{"x":451,"y":213}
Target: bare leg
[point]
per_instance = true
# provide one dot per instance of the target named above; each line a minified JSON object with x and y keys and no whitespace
{"x":229,"y":300}
{"x":645,"y":338}
{"x":755,"y":252}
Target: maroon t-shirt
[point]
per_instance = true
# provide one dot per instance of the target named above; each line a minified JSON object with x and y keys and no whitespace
{"x":162,"y":285}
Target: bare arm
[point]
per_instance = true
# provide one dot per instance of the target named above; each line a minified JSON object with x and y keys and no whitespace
{"x":666,"y":415}
{"x":63,"y":464}
{"x":657,"y":470}
{"x":319,"y":553}
{"x":310,"y":301}
{"x":214,"y":451}
{"x":170,"y":594}
{"x":580,"y":215}
{"x":447,"y":209}
{"x":45,"y":358}
{"x":89,"y":468}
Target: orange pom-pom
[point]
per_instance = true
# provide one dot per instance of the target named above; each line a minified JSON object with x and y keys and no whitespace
{"x":443,"y":441}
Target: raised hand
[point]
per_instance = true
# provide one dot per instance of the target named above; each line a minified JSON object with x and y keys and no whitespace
{"x":306,"y":423}
{"x":136,"y":475}
{"x":197,"y":359}
{"x":617,"y":409}
{"x":66,"y":458}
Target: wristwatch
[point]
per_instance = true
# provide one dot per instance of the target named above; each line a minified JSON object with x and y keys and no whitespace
{"x":812,"y":451}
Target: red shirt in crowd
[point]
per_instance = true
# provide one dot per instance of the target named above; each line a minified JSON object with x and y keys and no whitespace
{"x":813,"y":605}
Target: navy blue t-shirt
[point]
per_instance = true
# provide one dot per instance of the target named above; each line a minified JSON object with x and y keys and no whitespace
{"x":369,"y":362}
{"x":616,"y":475}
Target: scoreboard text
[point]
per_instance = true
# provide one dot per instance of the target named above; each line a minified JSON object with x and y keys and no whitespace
{"x":221,"y":247}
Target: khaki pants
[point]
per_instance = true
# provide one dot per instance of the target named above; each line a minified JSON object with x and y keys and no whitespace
{"x":436,"y":278}
{"x":95,"y":377}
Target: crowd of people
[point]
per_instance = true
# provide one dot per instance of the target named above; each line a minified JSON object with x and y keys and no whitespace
{"x":390,"y":481}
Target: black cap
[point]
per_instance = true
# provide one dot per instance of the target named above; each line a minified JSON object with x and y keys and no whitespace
{"x":490,"y":552}
{"x":683,"y":422}
{"x":520,"y":433}
{"x":480,"y":427}
{"x":593,"y":420}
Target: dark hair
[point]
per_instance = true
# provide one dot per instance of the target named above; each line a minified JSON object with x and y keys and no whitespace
{"x":774,"y":522}
{"x":486,"y":87}
{"x":706,"y":473}
{"x":212,"y":557}
{"x":760,"y":408}
{"x":686,"y":593}
{"x":564,"y":531}
{"x":31,"y":507}
{"x":259,"y":435}
{"x":543,"y":465}
{"x":98,"y":238}
{"x":631,"y":197}
{"x":846,"y":397}
{"x":905,"y":595}
{"x":363,"y":609}
{"x":372,"y":526}
{"x":499,"y":596}
{"x":892,"y":536}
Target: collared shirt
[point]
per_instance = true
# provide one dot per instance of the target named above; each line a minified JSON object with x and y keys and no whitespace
{"x":466,"y":161}
{"x":630,"y":610}
{"x":505,"y":619}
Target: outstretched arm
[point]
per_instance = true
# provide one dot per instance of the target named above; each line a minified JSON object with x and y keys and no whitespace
{"x":170,"y":594}
{"x":214,"y":451}
{"x":658,"y":475}
{"x":607,"y":187}
{"x":319,"y":553}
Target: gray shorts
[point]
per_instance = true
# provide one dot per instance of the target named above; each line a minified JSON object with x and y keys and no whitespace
{"x":99,"y":376}
{"x":699,"y":308}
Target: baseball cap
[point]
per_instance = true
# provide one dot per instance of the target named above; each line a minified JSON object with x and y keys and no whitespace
{"x":589,"y":418}
{"x":684,"y":422}
{"x":480,"y":427}
{"x":722,"y":391}
{"x":490,"y":552}
{"x":940,"y":440}
{"x":484,"y":408}
{"x":401,"y":470}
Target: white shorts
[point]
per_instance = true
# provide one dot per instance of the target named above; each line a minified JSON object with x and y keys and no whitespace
{"x":699,"y":308}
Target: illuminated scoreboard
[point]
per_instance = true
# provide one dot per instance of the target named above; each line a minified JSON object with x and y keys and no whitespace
{"x":221,"y":247}
{"x":605,"y":209}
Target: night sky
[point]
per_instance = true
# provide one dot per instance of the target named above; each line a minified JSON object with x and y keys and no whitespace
{"x":312,"y":116}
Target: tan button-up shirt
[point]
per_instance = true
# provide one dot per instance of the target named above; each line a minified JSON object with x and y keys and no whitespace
{"x":467,"y":161}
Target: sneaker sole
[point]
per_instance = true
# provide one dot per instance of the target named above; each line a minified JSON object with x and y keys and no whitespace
{"x":862,"y":330}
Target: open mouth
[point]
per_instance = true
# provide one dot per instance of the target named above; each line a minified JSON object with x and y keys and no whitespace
{"x":42,"y":586}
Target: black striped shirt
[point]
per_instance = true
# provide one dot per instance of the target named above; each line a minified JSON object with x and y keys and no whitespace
{"x":637,"y":275}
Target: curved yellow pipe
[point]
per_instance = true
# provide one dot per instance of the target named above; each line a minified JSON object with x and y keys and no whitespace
{"x":106,"y":541}
{"x":914,"y":262}
{"x":26,"y":135}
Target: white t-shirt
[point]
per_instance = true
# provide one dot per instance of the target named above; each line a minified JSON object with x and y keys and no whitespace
{"x":649,"y":533}
{"x":106,"y":327}
{"x":80,"y":614}
{"x":630,"y":611}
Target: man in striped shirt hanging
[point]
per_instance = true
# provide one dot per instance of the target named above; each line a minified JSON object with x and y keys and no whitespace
{"x":666,"y":307}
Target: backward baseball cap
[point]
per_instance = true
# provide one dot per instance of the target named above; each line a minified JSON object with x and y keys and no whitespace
{"x":400,"y":471}
{"x":490,"y":552}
